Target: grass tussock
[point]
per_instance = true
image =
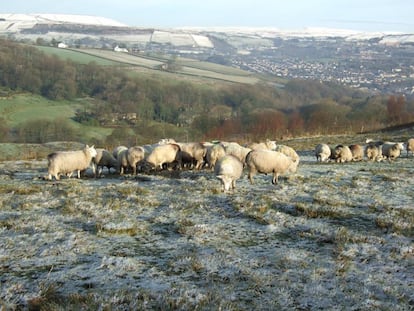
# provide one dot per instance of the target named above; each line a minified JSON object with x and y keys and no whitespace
{"x":20,"y":189}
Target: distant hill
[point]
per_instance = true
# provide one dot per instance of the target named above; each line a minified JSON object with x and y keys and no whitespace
{"x":16,"y":22}
{"x":70,"y":28}
{"x":378,"y":62}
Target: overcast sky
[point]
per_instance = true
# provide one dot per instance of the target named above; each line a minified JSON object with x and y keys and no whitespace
{"x":365,"y":15}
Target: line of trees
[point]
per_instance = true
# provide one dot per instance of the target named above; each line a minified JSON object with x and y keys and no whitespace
{"x":211,"y":112}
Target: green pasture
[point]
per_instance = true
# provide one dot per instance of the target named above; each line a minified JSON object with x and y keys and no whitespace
{"x":21,"y":108}
{"x":227,"y":70}
{"x":77,"y":56}
{"x":124,"y":58}
{"x":144,"y":64}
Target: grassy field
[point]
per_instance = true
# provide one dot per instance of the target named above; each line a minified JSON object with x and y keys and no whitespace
{"x":78,"y":57}
{"x":196,"y":70}
{"x":20,"y":108}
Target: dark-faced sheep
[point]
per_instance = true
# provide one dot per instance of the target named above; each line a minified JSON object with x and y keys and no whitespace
{"x":391,"y":151}
{"x":342,"y":154}
{"x":373,"y":152}
{"x":228,"y":169}
{"x":267,"y":161}
{"x":118,"y":150}
{"x":66,"y":162}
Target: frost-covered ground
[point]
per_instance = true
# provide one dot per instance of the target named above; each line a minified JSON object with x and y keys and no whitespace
{"x":330,"y":237}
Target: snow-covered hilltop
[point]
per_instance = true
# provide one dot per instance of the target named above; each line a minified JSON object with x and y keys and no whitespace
{"x":17,"y":22}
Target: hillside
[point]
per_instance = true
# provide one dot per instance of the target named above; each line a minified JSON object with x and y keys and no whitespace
{"x":123,"y":98}
{"x":377,"y":62}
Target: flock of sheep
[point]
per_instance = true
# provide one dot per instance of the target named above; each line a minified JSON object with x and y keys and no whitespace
{"x":226,"y":159}
{"x":373,"y":151}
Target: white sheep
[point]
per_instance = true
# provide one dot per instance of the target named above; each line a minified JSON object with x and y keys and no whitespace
{"x":322,"y":152}
{"x":164,"y":154}
{"x":410,"y":146}
{"x":150,"y":147}
{"x":214,"y":153}
{"x":228,"y":169}
{"x":235,"y":149}
{"x":267,"y":145}
{"x":288,"y":151}
{"x":104,"y":158}
{"x":193,"y":153}
{"x":268,"y":161}
{"x":66,"y":162}
{"x":342,"y":154}
{"x":129,"y":158}
{"x":357,"y":152}
{"x":391,"y":151}
{"x":373,"y":152}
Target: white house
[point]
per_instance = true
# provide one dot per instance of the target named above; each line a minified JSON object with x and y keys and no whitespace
{"x":118,"y":49}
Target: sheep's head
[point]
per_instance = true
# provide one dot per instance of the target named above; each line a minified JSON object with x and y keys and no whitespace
{"x":293,"y":167}
{"x":337,"y":151}
{"x":399,"y":146}
{"x":271,"y":144}
{"x":91,"y":150}
{"x":226,"y":181}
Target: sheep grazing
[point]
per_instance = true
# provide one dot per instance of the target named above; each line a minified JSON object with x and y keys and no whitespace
{"x":214,"y":153}
{"x":164,"y":154}
{"x":267,"y":145}
{"x":193,"y":153}
{"x":238,"y":151}
{"x":410,"y":146}
{"x":357,"y":152}
{"x":103,"y":159}
{"x":66,"y":162}
{"x":129,"y":158}
{"x":288,"y":151}
{"x":391,"y":151}
{"x":268,"y":161}
{"x":342,"y":154}
{"x":228,"y":169}
{"x":373,"y":152}
{"x":322,"y":152}
{"x":148,"y":148}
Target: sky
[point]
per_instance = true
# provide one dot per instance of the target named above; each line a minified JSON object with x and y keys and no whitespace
{"x":363,"y":15}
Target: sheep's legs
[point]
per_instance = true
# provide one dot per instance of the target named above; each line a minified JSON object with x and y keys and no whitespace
{"x":275,"y":178}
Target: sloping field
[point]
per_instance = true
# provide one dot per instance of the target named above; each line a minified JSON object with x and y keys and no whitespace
{"x":125,"y":58}
{"x":188,"y":67}
{"x":83,"y":58}
{"x":21,"y":108}
{"x":330,"y":237}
